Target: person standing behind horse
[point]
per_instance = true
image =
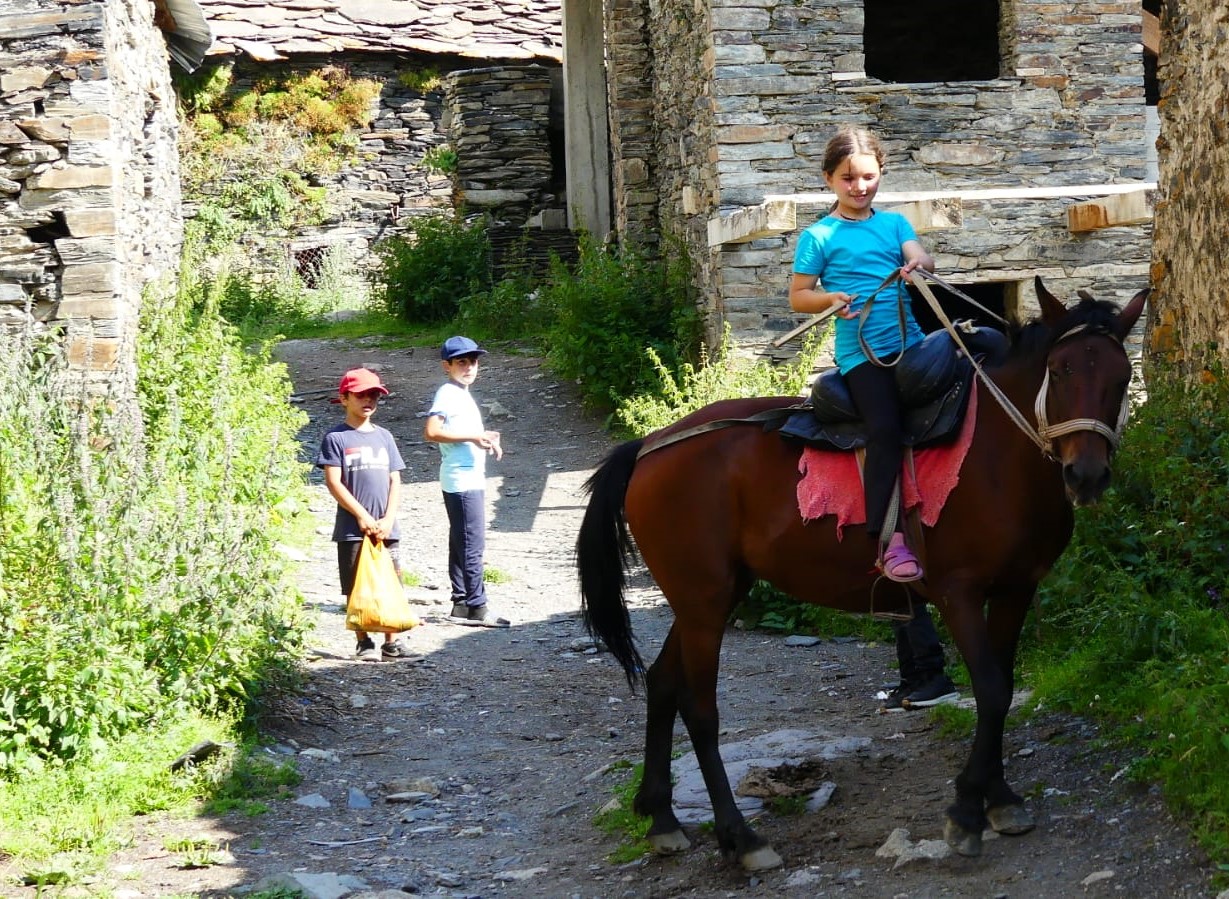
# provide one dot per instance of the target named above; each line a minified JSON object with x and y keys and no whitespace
{"x":842,"y":260}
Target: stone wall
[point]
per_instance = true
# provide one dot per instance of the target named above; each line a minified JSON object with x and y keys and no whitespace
{"x":89,"y":175}
{"x":497,"y":119}
{"x":1190,"y":316}
{"x":499,"y":123}
{"x":744,"y":95}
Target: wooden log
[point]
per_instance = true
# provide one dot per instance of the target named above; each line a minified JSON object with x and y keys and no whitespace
{"x":1108,"y":212}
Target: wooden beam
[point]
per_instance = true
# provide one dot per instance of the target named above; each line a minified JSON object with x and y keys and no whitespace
{"x":1152,"y":33}
{"x":1107,"y":212}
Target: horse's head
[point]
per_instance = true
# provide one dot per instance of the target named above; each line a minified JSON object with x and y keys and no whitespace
{"x":1084,"y":392}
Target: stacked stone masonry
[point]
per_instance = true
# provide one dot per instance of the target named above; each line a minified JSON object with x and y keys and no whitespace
{"x":777,"y":78}
{"x":89,"y":175}
{"x":1191,"y":321}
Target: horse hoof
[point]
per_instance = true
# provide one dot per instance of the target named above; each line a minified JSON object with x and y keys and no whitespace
{"x":671,"y":843}
{"x":1010,"y":819}
{"x":761,"y":859}
{"x":962,"y":841}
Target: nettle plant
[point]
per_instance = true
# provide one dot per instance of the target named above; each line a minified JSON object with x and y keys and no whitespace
{"x":138,"y":537}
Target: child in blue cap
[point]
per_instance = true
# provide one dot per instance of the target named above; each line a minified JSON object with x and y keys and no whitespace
{"x":454,"y":423}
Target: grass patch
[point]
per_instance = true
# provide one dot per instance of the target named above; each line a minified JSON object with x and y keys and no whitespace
{"x":69,"y":819}
{"x":618,"y":819}
{"x":496,"y":576}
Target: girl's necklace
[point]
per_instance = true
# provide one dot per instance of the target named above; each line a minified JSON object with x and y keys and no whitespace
{"x":850,"y":218}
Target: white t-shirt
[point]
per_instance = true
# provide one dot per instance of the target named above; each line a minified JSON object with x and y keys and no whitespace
{"x":462,"y":465}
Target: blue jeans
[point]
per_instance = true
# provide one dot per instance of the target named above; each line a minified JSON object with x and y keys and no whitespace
{"x":466,"y":545}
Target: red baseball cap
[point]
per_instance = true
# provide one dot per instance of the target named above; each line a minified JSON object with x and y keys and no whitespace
{"x":360,"y":380}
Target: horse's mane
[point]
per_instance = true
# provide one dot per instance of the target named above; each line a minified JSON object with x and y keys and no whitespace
{"x":1035,"y":337}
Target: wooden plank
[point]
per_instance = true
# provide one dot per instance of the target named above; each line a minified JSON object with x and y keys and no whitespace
{"x":1108,"y":212}
{"x":1152,"y":33}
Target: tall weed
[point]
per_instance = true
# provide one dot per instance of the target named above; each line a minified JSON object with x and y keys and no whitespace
{"x":1135,"y":616}
{"x":615,"y":307}
{"x":140,"y":577}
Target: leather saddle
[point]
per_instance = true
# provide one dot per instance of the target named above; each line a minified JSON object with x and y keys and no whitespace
{"x":934,"y":379}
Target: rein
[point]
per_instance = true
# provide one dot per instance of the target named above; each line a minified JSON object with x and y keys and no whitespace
{"x":1042,"y":436}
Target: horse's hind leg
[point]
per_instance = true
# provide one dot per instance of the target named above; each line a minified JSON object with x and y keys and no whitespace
{"x":701,"y":647}
{"x":655,"y":798}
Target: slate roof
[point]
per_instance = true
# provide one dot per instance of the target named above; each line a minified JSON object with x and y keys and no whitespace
{"x":482,"y":29}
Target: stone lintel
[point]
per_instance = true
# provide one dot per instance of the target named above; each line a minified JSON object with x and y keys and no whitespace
{"x":72,"y":176}
{"x":90,"y":222}
{"x":769,"y":219}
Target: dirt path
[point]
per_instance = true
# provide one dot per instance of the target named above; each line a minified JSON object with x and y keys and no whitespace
{"x":511,"y":734}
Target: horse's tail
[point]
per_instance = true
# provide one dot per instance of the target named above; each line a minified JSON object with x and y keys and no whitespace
{"x":603,"y":550}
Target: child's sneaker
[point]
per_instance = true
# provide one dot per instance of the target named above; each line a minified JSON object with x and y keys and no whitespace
{"x":484,"y":616}
{"x":939,"y":690}
{"x":396,"y":649}
{"x":890,"y":700}
{"x":476,"y":616}
{"x":365,"y":650}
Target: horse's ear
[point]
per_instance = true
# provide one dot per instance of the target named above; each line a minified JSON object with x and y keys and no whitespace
{"x":1052,"y":308}
{"x":1130,"y":313}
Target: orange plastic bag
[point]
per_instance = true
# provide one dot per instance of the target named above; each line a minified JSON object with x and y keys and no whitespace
{"x":377,"y":602}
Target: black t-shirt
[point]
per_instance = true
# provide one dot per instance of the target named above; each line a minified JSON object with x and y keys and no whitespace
{"x":366,"y":459}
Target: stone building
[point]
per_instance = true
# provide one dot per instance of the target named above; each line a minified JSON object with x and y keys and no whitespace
{"x":497,"y":105}
{"x":1011,"y":157}
{"x":89,"y":169}
{"x":1190,"y":323}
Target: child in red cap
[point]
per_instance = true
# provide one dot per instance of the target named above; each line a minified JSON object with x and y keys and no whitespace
{"x":362,"y":468}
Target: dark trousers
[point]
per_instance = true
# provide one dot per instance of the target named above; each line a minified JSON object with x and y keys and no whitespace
{"x":466,"y":545}
{"x":878,"y":402}
{"x":917,"y":647}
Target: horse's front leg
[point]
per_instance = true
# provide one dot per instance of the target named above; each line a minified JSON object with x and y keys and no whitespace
{"x":1004,"y":621}
{"x":655,"y":799}
{"x":989,"y":654}
{"x":698,"y":705}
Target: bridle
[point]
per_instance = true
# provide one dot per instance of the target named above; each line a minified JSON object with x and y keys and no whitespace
{"x":1046,"y":431}
{"x":1043,"y":435}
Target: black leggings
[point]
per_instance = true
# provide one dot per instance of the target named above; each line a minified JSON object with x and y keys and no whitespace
{"x":878,"y":402}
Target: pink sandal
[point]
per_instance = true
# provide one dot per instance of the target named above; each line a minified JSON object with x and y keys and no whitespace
{"x":899,"y":563}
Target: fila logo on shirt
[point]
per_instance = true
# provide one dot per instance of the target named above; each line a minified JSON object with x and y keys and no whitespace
{"x":362,"y":457}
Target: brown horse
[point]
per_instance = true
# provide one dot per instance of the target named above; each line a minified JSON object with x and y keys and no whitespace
{"x":713,"y":513}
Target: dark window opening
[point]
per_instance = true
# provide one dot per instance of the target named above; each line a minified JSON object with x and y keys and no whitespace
{"x":309,"y":265}
{"x":914,"y":41}
{"x":991,"y":295}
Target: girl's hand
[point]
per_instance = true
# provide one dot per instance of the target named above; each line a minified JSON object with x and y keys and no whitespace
{"x":843,"y":303}
{"x":908,"y":267}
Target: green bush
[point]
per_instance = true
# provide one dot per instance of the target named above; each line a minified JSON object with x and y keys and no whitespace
{"x":613,"y":308}
{"x":688,"y":387}
{"x":1135,"y":616}
{"x":423,"y":276}
{"x":513,"y":308}
{"x":137,"y":541}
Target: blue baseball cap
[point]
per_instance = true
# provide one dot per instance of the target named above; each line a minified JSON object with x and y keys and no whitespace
{"x":460,"y":346}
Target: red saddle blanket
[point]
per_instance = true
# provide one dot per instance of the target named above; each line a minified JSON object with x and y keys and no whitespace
{"x":831,"y":484}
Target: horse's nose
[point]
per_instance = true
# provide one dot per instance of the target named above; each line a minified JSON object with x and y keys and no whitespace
{"x":1086,"y":481}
